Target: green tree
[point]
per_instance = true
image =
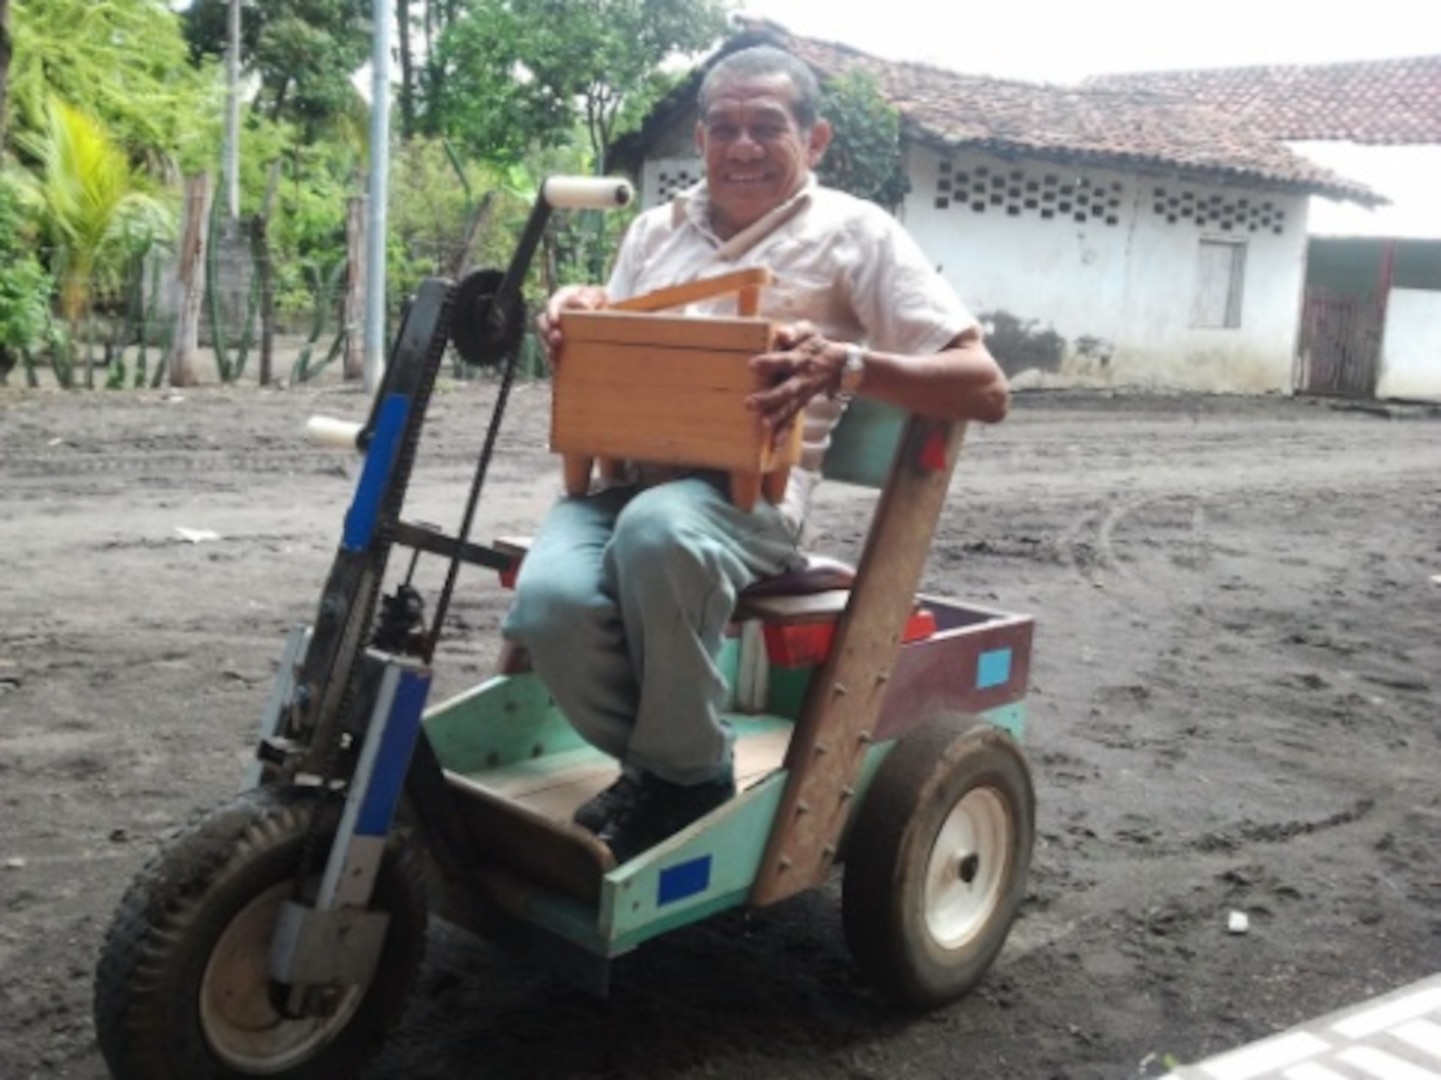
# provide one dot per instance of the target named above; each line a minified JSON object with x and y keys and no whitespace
{"x":864,"y":157}
{"x":24,"y":285}
{"x":93,"y":209}
{"x":479,"y":98}
{"x":303,"y":52}
{"x":445,"y":214}
{"x":123,"y":62}
{"x":511,"y":74}
{"x":4,"y":63}
{"x":307,"y":233}
{"x":420,"y":26}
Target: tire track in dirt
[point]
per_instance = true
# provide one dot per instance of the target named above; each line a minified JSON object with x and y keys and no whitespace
{"x":49,"y":466}
{"x":1260,"y":653}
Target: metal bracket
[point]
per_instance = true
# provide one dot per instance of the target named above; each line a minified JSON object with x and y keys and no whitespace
{"x":271,"y":723}
{"x":338,"y":939}
{"x":313,"y":948}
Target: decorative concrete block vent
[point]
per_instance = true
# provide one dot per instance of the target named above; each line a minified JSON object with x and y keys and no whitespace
{"x":668,"y":178}
{"x":1055,"y":196}
{"x":1216,"y":211}
{"x":1014,"y":192}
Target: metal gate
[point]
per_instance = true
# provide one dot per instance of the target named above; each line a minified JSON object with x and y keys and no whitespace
{"x":1340,"y":343}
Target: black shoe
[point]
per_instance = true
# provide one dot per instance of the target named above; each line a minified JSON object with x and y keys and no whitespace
{"x":660,"y":810}
{"x":595,"y":813}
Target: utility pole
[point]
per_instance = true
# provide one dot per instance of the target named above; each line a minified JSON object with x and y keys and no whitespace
{"x":379,"y":192}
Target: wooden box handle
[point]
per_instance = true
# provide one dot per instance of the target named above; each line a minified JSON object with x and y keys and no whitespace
{"x":748,"y":283}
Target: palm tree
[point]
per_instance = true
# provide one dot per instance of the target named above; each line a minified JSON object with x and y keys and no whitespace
{"x":94,"y":211}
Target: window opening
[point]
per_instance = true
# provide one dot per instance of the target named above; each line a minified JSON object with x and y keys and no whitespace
{"x":1220,"y":282}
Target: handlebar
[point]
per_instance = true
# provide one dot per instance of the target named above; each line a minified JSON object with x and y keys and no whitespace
{"x":586,"y":192}
{"x":333,"y":434}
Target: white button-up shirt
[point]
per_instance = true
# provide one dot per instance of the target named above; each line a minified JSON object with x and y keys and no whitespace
{"x":841,"y":262}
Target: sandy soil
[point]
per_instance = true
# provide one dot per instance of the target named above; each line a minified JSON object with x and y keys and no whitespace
{"x":1234,"y":708}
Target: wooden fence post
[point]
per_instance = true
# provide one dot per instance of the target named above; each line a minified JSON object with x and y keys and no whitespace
{"x":188,"y":283}
{"x":354,"y":327}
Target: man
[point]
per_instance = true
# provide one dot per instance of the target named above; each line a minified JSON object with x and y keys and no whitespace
{"x":624,"y":597}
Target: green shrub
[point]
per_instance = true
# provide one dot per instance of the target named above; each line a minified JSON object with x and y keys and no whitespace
{"x":25,"y":287}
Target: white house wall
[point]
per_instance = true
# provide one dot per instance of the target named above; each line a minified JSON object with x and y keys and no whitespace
{"x":1411,"y":346}
{"x":663,"y":178}
{"x":1089,"y":276}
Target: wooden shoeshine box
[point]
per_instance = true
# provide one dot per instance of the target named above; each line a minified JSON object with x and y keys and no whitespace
{"x":669,"y":390}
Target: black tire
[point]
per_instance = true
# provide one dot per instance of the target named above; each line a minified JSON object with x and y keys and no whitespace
{"x":936,"y":861}
{"x":181,"y":991}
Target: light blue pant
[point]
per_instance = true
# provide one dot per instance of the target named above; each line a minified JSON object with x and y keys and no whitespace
{"x":623,"y":601}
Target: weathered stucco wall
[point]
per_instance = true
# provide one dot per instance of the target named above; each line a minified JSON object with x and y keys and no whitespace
{"x":1090,"y":276}
{"x":1411,"y":347}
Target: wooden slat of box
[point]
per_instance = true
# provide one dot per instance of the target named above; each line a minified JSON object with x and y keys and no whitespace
{"x":663,"y":389}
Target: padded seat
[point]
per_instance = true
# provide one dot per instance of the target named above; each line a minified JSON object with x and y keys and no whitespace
{"x":821,"y":573}
{"x":815,"y":592}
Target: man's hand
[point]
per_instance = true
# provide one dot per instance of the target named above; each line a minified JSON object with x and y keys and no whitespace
{"x":803,"y":365}
{"x":566,"y":298}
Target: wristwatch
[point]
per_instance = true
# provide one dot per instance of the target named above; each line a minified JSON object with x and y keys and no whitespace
{"x":853,"y":370}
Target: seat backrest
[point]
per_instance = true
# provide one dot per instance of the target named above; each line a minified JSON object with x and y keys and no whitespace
{"x":864,"y":443}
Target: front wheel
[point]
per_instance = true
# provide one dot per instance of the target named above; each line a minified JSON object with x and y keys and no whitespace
{"x":182,"y":990}
{"x":936,"y":862}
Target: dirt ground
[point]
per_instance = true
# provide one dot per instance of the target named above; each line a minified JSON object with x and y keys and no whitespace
{"x":1234,"y":708}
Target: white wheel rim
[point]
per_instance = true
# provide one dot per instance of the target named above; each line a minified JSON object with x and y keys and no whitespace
{"x":236,"y":1012}
{"x":967,"y":868}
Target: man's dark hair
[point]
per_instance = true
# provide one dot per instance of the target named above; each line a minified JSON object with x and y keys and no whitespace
{"x":759,"y":61}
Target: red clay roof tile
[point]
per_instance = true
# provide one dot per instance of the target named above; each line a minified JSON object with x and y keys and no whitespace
{"x":1121,"y":128}
{"x":1392,"y":102}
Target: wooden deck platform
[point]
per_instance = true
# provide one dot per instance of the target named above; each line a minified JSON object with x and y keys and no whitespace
{"x":554,"y":786}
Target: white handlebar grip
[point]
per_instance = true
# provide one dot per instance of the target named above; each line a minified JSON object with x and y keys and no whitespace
{"x":330,"y":432}
{"x":587,"y":192}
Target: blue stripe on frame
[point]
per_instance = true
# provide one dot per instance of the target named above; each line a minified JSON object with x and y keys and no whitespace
{"x":993,"y":668}
{"x":392,"y":760}
{"x":682,"y":880}
{"x":379,"y":458}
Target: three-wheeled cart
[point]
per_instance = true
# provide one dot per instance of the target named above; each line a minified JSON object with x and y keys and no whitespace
{"x":876,"y":730}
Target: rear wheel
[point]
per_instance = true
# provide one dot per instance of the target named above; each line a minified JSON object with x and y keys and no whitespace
{"x":936,"y":862}
{"x":182,"y":988}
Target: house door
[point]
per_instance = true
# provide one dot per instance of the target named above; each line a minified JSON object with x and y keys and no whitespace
{"x":1340,"y":343}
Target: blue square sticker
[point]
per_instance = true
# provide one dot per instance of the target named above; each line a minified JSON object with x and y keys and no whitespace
{"x":993,"y":668}
{"x":682,"y":880}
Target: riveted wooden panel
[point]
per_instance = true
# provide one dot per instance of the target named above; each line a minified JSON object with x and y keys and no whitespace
{"x":844,"y":701}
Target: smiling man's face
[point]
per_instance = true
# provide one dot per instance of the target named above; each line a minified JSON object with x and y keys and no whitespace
{"x":756,"y":155}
